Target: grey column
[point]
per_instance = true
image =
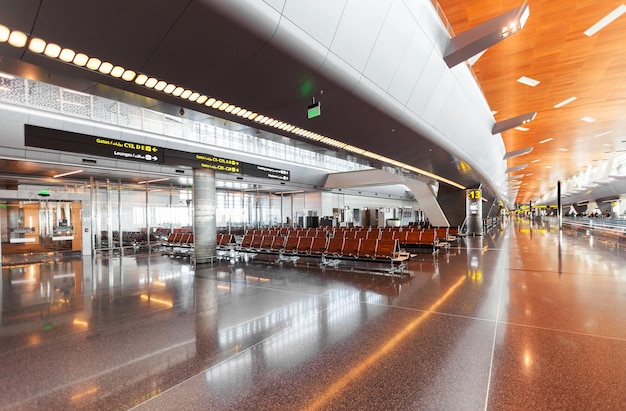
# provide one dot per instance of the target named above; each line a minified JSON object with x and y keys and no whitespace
{"x":204,"y":203}
{"x":559,"y":211}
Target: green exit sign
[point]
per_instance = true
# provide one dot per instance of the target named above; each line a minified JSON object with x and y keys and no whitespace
{"x":314,"y":110}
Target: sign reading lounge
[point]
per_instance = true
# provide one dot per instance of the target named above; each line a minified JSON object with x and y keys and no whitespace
{"x":60,"y":140}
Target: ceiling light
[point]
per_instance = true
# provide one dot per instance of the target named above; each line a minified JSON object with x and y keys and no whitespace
{"x":185,"y":94}
{"x":4,"y":33}
{"x":236,"y":110}
{"x":141,"y":79}
{"x":67,"y":55}
{"x":546,"y":140}
{"x":202,"y":99}
{"x":160,"y":86}
{"x":516,"y":168}
{"x":151,"y":82}
{"x":80,"y":59}
{"x":169,"y":88}
{"x":588,"y":119}
{"x":223,"y":106}
{"x":216,"y":104}
{"x":129,"y":75}
{"x":52,"y":50}
{"x":229,"y":109}
{"x":93,"y":63}
{"x":467,"y":45}
{"x":105,"y":68}
{"x":194,"y":96}
{"x":528,"y":81}
{"x":517,"y":153}
{"x":210,"y":102}
{"x":178,"y":91}
{"x":153,"y":181}
{"x":564,"y":102}
{"x":68,"y":173}
{"x":510,"y":123}
{"x":37,"y":45}
{"x":606,"y":20}
{"x":17,"y":39}
{"x":252,"y":116}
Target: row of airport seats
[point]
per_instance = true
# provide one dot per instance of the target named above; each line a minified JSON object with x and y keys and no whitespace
{"x":341,"y":242}
{"x":407,"y":237}
{"x":180,"y":243}
{"x":129,"y":238}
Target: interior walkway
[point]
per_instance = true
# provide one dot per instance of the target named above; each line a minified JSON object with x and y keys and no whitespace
{"x":525,"y":318}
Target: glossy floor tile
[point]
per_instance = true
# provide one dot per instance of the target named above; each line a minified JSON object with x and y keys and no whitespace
{"x":526,"y":317}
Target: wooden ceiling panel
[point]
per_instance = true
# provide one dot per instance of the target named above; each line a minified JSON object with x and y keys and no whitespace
{"x":553,"y":49}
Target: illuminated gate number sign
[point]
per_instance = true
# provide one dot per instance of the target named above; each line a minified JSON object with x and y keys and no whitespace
{"x":473,"y":194}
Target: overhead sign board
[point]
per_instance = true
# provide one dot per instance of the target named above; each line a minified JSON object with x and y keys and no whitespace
{"x":226,"y":165}
{"x":81,"y":143}
{"x":139,"y":152}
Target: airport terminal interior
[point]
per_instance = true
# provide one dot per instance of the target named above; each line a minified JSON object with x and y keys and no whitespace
{"x":272,"y":205}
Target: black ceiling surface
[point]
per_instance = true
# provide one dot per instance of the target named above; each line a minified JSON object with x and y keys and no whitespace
{"x":191,"y":44}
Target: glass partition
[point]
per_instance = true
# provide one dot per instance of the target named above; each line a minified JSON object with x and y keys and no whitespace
{"x":40,"y":227}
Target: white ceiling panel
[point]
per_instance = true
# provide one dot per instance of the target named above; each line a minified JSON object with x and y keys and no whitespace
{"x":390,"y":46}
{"x":440,"y":99}
{"x":425,"y":86}
{"x":318,"y":18}
{"x":426,"y":16}
{"x":278,"y":5}
{"x":410,"y":67}
{"x":340,"y":71}
{"x":362,"y":20}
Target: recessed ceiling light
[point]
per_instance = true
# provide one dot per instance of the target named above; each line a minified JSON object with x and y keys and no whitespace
{"x":528,"y":81}
{"x":606,"y":20}
{"x":546,"y":140}
{"x":520,"y":128}
{"x":564,"y":102}
{"x":37,"y":45}
{"x":588,"y":119}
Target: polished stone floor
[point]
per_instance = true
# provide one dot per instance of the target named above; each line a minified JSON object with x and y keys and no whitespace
{"x":526,"y":318}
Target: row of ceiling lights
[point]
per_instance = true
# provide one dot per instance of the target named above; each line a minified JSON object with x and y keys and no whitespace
{"x":19,"y":39}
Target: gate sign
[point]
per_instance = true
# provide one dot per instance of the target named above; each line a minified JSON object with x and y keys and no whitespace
{"x":137,"y":151}
{"x":97,"y":146}
{"x":226,"y":165}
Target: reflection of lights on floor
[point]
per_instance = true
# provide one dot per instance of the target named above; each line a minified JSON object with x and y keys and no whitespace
{"x":387,"y":347}
{"x":80,"y":322}
{"x":83,"y":394}
{"x":259,"y":279}
{"x":156,"y":300}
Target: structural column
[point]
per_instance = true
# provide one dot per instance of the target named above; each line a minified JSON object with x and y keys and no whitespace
{"x":559,"y":212}
{"x":204,"y":204}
